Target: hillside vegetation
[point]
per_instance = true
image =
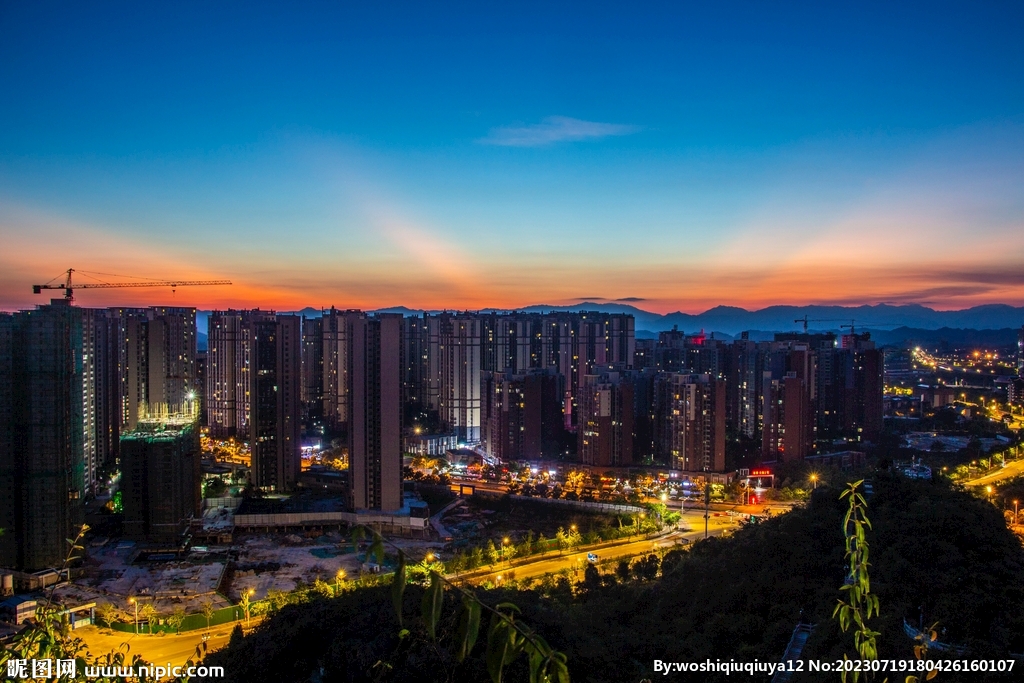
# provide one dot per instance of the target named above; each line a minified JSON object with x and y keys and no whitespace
{"x":936,"y":554}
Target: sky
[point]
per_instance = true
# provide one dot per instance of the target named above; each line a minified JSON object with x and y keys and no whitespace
{"x":444,"y":155}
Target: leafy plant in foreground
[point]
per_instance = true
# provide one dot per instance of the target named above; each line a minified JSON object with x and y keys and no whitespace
{"x":507,"y":638}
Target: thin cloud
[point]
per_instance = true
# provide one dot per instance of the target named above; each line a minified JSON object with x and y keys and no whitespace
{"x":554,"y":129}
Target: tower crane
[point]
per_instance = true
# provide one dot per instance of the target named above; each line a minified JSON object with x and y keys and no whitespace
{"x":806,"y":320}
{"x":70,"y":287}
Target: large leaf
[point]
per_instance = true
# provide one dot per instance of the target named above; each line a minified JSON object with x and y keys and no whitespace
{"x":433,"y":599}
{"x":398,"y":586}
{"x":376,"y":549}
{"x":358,"y":534}
{"x":497,"y":646}
{"x":469,"y":627}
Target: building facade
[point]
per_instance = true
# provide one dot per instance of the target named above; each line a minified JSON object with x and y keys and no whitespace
{"x":375,"y":372}
{"x":605,"y":429}
{"x":275,"y":427}
{"x":161,"y":477}
{"x":42,"y":425}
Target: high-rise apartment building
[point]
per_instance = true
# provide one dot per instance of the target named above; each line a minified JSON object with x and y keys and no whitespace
{"x":455,"y":339}
{"x":161,"y":475}
{"x":254,"y":389}
{"x":375,"y":425}
{"x":788,"y":385}
{"x":227,"y":382}
{"x":42,"y":466}
{"x":335,"y":368}
{"x":690,"y":421}
{"x":156,"y":359}
{"x":416,"y":380}
{"x":605,"y":429}
{"x":522,"y":415}
{"x":850,"y":381}
{"x":275,"y":427}
{"x":313,"y":370}
{"x":743,"y":388}
{"x":101,"y":399}
{"x":644,"y":355}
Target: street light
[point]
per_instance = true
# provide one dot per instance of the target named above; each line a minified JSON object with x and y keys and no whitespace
{"x":814,"y":481}
{"x":133,"y":601}
{"x":1015,"y":513}
{"x":337,"y":580}
{"x":504,"y":542}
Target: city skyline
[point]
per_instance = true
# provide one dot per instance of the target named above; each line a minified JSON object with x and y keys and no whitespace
{"x":481,"y":157}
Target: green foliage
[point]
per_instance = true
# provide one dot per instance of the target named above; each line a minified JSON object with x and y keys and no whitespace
{"x":176,"y":618}
{"x":322,"y":588}
{"x":432,"y":602}
{"x":398,"y":586}
{"x":107,"y":613}
{"x":469,"y":627}
{"x":860,"y":603}
{"x":208,"y":612}
{"x":740,"y":597}
{"x":506,"y":638}
{"x":490,"y":553}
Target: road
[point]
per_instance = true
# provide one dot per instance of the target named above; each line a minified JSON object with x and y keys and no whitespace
{"x":693,"y":523}
{"x":1012,"y":469}
{"x":158,"y":649}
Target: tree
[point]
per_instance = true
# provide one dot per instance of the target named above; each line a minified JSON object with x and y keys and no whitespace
{"x":490,"y":552}
{"x":208,"y":612}
{"x":525,"y":547}
{"x":107,"y":613}
{"x":147,"y":613}
{"x":542,"y":543}
{"x":574,"y":480}
{"x":236,"y":636}
{"x":214,"y":488}
{"x":591,"y":578}
{"x":176,"y":619}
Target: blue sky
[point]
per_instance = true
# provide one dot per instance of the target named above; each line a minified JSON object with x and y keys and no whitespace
{"x":501,"y":155}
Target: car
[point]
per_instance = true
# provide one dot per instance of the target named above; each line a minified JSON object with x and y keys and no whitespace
{"x":592,"y":558}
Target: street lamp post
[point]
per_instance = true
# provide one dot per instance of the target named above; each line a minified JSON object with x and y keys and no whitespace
{"x":1015,"y":513}
{"x":814,"y":481}
{"x":504,"y":542}
{"x":337,"y":580}
{"x":248,"y":597}
{"x":135,"y":602}
{"x":707,"y":505}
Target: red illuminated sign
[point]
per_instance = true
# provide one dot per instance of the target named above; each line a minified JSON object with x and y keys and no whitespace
{"x":761,"y":473}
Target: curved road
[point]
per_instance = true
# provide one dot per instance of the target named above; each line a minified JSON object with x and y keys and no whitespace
{"x":693,"y":529}
{"x":156,"y":649}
